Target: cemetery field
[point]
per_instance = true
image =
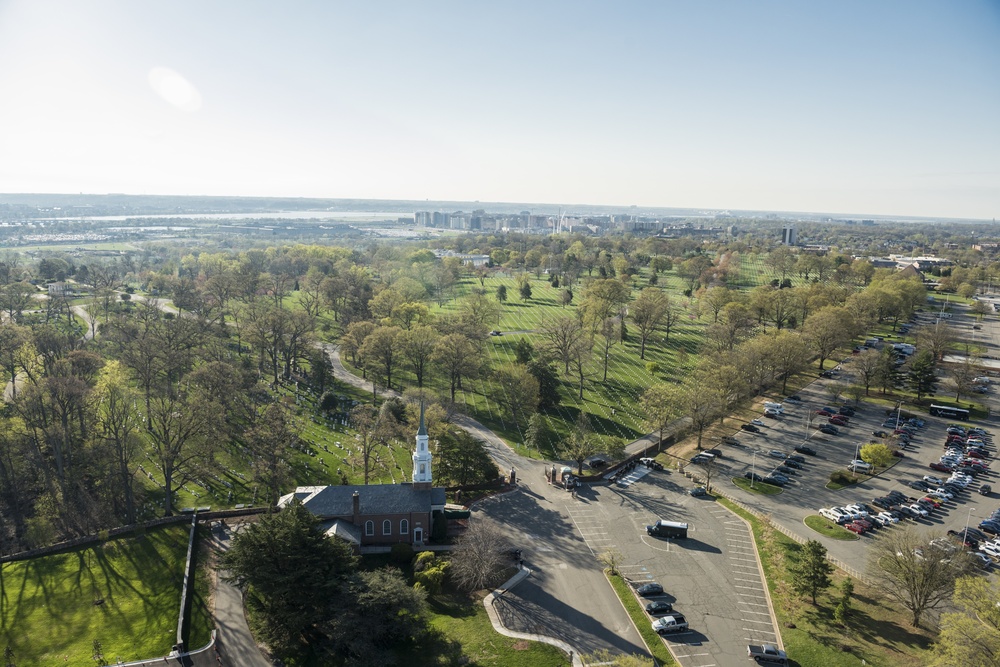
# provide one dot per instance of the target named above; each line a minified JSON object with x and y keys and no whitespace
{"x":124,"y":593}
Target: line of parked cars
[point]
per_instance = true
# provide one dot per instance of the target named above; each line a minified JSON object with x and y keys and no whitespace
{"x":666,"y":619}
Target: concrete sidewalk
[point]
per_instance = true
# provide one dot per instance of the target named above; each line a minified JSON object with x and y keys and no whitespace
{"x":489,"y":601}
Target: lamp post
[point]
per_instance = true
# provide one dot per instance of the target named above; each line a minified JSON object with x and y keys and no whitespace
{"x":965,"y":537}
{"x":753,"y":468}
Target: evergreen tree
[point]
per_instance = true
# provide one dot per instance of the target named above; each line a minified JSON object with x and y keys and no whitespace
{"x":548,"y":384}
{"x":886,"y":374}
{"x":921,"y":377}
{"x":811,"y":573}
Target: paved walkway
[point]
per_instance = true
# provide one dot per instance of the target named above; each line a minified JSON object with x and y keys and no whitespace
{"x":236,"y":646}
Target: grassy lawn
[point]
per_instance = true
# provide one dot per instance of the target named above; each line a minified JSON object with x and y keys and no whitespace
{"x":828,"y":528}
{"x":49,"y":612}
{"x":642,"y":623}
{"x":463,"y":635}
{"x":758,"y":487}
{"x":876,"y":632}
{"x":845,"y":480}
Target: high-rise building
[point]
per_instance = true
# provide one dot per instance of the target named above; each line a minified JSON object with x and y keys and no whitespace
{"x":789,"y":236}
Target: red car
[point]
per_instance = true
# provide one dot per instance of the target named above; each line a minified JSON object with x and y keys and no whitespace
{"x":933,"y":501}
{"x":839,"y":420}
{"x":976,"y":455}
{"x":855,"y":527}
{"x":940,"y":467}
{"x":824,"y":413}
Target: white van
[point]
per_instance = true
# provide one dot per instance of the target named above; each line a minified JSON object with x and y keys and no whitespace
{"x":774,"y":406}
{"x":981,"y":380}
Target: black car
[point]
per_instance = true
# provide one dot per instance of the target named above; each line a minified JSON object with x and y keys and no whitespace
{"x":649,"y":589}
{"x":750,"y":427}
{"x":753,"y":476}
{"x":882,"y":503}
{"x":985,"y":489}
{"x":795,"y":397}
{"x":797,"y":459}
{"x":806,"y":449}
{"x":659,"y":607}
{"x":828,"y":429}
{"x":966,"y":540}
{"x":991,"y":527}
{"x":919,"y":485}
{"x":826,"y":374}
{"x":896,"y":496}
{"x":784,"y":470}
{"x":777,"y":481}
{"x":977,"y":535}
{"x":790,"y":463}
{"x":880,"y":434}
{"x":846,"y":410}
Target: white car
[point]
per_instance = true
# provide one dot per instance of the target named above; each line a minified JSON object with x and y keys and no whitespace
{"x":756,"y":422}
{"x":918,"y":509}
{"x":886,"y":519}
{"x":857,"y":465}
{"x":857,"y":510}
{"x":939,"y":496}
{"x":830,"y":513}
{"x":933,"y":480}
{"x":990,"y":549}
{"x":944,"y":493}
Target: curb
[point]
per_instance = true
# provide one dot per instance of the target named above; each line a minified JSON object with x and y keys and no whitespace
{"x":522,"y":574}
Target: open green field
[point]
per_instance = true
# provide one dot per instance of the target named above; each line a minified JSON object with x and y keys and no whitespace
{"x":70,"y":247}
{"x":49,"y":609}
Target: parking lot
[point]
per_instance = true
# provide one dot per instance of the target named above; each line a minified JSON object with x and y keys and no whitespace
{"x":702,"y":575}
{"x":806,"y":492}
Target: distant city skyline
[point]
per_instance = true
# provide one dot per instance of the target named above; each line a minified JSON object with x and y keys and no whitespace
{"x":857,"y":108}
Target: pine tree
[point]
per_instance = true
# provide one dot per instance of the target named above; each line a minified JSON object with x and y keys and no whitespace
{"x":921,"y":377}
{"x":811,"y":573}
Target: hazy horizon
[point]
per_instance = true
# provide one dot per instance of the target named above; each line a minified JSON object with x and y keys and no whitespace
{"x":850,"y":109}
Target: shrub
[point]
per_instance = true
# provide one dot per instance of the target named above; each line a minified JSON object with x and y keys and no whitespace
{"x":424,"y":560}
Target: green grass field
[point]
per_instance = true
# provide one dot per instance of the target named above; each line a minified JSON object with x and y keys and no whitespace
{"x":828,"y":528}
{"x":49,"y":613}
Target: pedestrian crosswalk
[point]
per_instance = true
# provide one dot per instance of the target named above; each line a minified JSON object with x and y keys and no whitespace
{"x":638,"y":473}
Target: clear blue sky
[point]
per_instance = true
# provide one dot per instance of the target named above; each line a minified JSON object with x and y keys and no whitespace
{"x":857,"y":107}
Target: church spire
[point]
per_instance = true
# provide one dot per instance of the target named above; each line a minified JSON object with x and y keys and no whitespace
{"x":423,"y":429}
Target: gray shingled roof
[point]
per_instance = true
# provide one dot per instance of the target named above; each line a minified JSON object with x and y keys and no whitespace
{"x":374,"y":499}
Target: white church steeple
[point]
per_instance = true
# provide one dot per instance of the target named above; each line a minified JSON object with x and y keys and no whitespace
{"x":422,"y":456}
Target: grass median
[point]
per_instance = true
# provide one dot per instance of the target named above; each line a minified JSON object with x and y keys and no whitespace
{"x":762,"y":488}
{"x":641,"y":622}
{"x":828,"y":528}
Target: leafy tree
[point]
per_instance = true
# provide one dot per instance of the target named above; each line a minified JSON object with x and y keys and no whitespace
{"x":877,"y":454}
{"x":566,"y":297}
{"x":540,"y":434}
{"x":270,"y":441}
{"x":117,"y":426}
{"x":828,"y":328}
{"x":291,"y":575}
{"x":611,"y":333}
{"x":518,"y":392}
{"x":581,"y":443}
{"x":980,"y":309}
{"x":548,"y":383}
{"x":647,"y":312}
{"x":525,"y":290}
{"x":8,"y":657}
{"x":971,"y":636}
{"x":463,"y":460}
{"x":811,"y":572}
{"x":561,"y":337}
{"x":480,"y":557}
{"x":458,"y":358}
{"x":922,"y":378}
{"x":524,"y":351}
{"x":417,"y":348}
{"x":611,"y":559}
{"x":908,"y":568}
{"x":843,"y":609}
{"x":381,"y":353}
{"x":182,"y":433}
{"x":936,"y":338}
{"x":663,"y":404}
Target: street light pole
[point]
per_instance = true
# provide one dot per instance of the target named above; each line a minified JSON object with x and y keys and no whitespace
{"x":965,"y":537}
{"x":753,"y":468}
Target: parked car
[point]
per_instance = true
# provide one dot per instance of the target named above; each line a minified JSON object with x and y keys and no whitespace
{"x":777,"y":454}
{"x":855,"y":527}
{"x":650,"y":589}
{"x":753,"y":476}
{"x":839,"y":420}
{"x":794,"y":398}
{"x":776,"y":480}
{"x":784,"y":470}
{"x":650,"y":463}
{"x":828,"y":429}
{"x":756,"y":422}
{"x":729,"y":440}
{"x":880,"y":434}
{"x":806,"y":449}
{"x":823,"y":412}
{"x":792,"y":463}
{"x":963,"y":539}
{"x":771,"y":414}
{"x":941,"y":467}
{"x":985,"y":489}
{"x":698,"y":491}
{"x":933,"y":480}
{"x":659,"y":608}
{"x":671,"y":623}
{"x":919,"y":485}
{"x":886,"y":518}
{"x":493,"y":333}
{"x":750,"y":428}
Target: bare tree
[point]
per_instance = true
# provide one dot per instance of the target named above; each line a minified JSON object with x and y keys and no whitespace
{"x":373,"y":432}
{"x":913,"y":570}
{"x":481,"y":557}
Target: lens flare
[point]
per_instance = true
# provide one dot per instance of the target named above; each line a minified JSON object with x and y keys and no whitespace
{"x":174,"y":89}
